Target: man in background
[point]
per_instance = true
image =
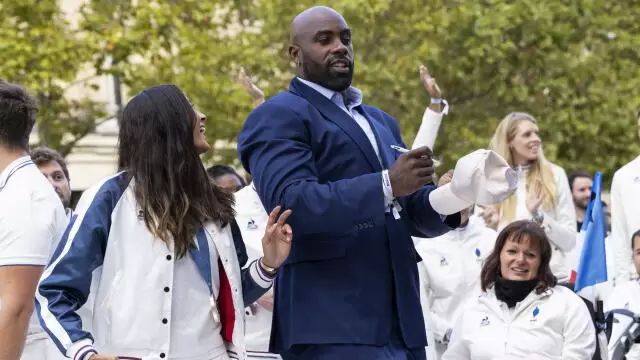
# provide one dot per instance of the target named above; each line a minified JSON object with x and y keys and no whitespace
{"x":54,"y":168}
{"x":580,"y":183}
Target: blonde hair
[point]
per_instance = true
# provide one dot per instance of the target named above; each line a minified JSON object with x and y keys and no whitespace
{"x":540,"y":168}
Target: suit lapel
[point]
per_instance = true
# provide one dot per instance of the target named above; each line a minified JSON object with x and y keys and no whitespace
{"x":337,"y":116}
{"x":381,"y":134}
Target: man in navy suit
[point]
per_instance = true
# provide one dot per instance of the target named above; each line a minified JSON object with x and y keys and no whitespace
{"x":349,"y":289}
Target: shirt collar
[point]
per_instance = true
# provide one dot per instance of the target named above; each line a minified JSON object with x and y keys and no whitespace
{"x":12,"y":168}
{"x":355,"y":95}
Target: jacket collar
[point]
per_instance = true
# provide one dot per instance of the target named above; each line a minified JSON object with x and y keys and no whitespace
{"x":318,"y":98}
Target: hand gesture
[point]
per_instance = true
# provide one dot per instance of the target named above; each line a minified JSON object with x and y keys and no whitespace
{"x":254,"y":91}
{"x":411,"y":171}
{"x":535,"y":197}
{"x":276,"y":242}
{"x":430,"y":83}
{"x":490,"y":216}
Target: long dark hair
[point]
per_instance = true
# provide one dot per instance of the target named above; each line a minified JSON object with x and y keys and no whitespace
{"x":519,"y":231}
{"x":171,"y":186}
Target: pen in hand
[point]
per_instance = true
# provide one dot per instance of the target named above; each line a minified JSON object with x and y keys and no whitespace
{"x":400,"y":149}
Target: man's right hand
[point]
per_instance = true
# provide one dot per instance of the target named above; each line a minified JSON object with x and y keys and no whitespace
{"x":411,"y":171}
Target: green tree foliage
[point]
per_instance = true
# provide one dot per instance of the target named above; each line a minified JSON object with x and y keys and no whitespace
{"x":192,"y":44}
{"x":572,"y":64}
{"x":39,"y":49}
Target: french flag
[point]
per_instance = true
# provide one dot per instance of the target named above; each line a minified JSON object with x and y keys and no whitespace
{"x":592,"y":266}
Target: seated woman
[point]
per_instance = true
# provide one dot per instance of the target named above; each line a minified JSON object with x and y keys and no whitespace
{"x":521,"y":312}
{"x":627,"y":294}
{"x":169,"y":285}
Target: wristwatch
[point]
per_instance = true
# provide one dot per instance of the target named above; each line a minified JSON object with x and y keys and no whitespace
{"x":538,"y":217}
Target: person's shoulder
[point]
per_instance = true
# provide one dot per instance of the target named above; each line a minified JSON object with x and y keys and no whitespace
{"x":629,"y":170}
{"x":109,"y":190}
{"x":557,"y":170}
{"x":566,"y":295}
{"x":28,"y":186}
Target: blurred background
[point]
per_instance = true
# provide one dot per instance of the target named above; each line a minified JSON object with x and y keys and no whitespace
{"x":573,"y":64}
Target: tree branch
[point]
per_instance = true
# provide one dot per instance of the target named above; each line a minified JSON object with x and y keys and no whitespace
{"x":68,"y":146}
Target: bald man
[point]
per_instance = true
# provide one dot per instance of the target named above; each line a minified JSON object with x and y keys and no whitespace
{"x":349,"y":289}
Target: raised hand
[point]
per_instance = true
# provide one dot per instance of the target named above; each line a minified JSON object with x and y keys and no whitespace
{"x":254,"y":91}
{"x":430,"y":83}
{"x":411,"y":171}
{"x":276,"y":242}
{"x":535,"y":197}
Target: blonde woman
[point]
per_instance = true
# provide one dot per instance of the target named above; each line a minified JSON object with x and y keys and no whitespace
{"x":543,"y":190}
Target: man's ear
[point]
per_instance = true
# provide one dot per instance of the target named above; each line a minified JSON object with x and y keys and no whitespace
{"x":294,"y":51}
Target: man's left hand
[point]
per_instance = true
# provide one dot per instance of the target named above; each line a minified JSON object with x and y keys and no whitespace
{"x":276,"y":242}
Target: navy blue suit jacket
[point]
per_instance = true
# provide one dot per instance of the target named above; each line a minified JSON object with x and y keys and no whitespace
{"x":352,"y":265}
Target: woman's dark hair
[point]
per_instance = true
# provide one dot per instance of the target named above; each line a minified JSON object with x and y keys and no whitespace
{"x":171,"y":185}
{"x":518,"y":231}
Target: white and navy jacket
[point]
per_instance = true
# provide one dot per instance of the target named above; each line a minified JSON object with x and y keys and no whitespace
{"x":107,"y":234}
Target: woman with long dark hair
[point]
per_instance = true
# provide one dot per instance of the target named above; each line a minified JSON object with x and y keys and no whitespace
{"x":169,"y":285}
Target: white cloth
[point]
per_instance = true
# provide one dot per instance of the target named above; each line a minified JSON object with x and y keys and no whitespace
{"x":252,"y":219}
{"x":32,"y":221}
{"x":559,"y":223}
{"x":41,"y":349}
{"x":626,"y":296}
{"x":482,"y":177}
{"x":429,"y":127}
{"x":191,"y":322}
{"x":136,"y":268}
{"x":554,"y":325}
{"x":625,"y":218}
{"x":449,"y":274}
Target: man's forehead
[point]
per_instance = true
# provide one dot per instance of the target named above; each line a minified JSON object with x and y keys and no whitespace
{"x":51,"y":166}
{"x":316,"y":21}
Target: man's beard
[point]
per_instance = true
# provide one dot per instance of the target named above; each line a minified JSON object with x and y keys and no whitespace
{"x":66,"y":202}
{"x":321,"y":74}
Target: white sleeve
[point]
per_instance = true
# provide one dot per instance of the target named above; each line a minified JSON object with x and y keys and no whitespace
{"x":579,"y":332}
{"x":620,"y":237}
{"x":28,"y":230}
{"x":561,"y":230}
{"x":428,"y":130}
{"x":435,"y":324}
{"x":617,"y":299}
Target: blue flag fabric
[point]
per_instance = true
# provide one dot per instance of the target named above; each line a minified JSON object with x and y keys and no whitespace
{"x":592,"y":268}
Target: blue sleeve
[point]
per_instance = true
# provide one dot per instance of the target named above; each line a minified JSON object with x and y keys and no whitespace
{"x":275,"y":146}
{"x":424,"y":221}
{"x":255,"y":283}
{"x":65,"y":284}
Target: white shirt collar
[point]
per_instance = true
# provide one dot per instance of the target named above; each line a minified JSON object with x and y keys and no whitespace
{"x":12,"y":168}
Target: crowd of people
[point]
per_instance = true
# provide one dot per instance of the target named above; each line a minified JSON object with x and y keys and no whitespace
{"x":343,"y":244}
